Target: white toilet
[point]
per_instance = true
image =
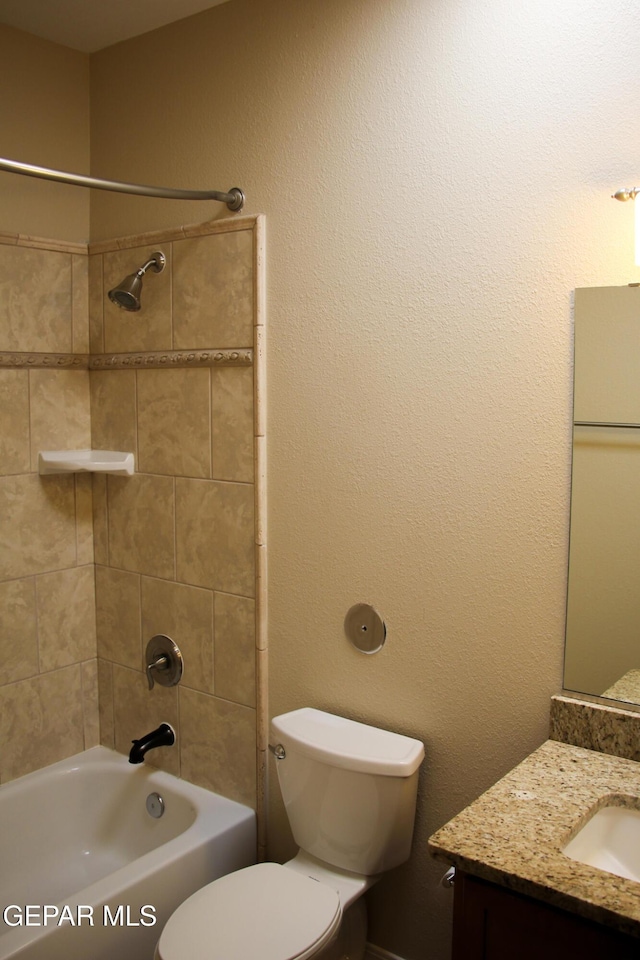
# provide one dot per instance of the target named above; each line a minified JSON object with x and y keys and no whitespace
{"x":350,"y":794}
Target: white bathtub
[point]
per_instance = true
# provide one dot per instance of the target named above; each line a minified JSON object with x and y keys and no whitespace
{"x":77,"y":835}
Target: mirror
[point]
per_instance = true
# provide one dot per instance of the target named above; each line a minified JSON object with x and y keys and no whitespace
{"x":602,"y":649}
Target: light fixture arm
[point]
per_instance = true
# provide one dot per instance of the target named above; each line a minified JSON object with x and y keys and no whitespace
{"x":626,"y":193}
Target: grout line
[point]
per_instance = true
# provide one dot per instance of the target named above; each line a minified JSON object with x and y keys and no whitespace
{"x":211,"y":458}
{"x":171,"y":305}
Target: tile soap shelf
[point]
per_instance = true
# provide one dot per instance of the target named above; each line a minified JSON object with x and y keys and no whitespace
{"x":85,"y":461}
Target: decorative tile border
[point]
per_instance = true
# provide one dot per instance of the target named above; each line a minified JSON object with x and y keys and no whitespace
{"x":224,"y":225}
{"x":76,"y":361}
{"x":43,"y":243}
{"x":125,"y":361}
{"x":160,"y":359}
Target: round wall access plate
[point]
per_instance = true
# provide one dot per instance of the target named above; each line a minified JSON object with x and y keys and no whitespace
{"x":365,"y":628}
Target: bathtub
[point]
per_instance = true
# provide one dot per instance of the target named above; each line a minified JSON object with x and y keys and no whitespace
{"x":86,"y":873}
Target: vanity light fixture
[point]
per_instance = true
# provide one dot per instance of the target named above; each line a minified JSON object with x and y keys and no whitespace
{"x":630,"y":193}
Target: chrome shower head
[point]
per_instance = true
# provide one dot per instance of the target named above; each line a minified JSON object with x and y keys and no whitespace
{"x":127,"y":293}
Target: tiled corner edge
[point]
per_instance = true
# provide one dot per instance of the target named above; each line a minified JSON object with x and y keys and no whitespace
{"x":595,"y":726}
{"x":260,"y":494}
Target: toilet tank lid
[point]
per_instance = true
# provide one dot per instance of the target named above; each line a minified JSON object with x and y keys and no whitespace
{"x":347,"y":743}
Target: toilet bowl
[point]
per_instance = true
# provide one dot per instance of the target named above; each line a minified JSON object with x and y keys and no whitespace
{"x":350,"y":792}
{"x":266,"y":911}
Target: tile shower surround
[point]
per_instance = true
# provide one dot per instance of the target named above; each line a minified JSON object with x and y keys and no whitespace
{"x":92,"y":567}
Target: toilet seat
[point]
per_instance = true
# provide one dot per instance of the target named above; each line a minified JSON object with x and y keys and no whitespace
{"x":265,"y":911}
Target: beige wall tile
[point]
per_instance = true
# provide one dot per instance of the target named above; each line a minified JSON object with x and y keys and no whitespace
{"x":66,"y":608}
{"x":118,"y":616}
{"x":138,"y":710}
{"x":235,"y":649}
{"x":84,"y":518}
{"x":215,"y":535}
{"x":113,"y":410}
{"x":90,"y":705}
{"x":48,"y":530}
{"x":232,"y":423}
{"x":41,"y":721}
{"x":173,"y":422}
{"x":100,"y":518}
{"x":213,"y":291}
{"x":105,"y":703}
{"x":96,"y":305}
{"x":37,"y":533}
{"x":35,"y":299}
{"x":60,"y":411}
{"x":141,"y":522}
{"x":18,"y":634}
{"x":80,"y":303}
{"x":218,"y":745}
{"x":185,"y":614}
{"x":150,"y":327}
{"x":15,"y":455}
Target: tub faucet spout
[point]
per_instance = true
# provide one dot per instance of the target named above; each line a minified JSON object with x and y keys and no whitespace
{"x":162,"y":737}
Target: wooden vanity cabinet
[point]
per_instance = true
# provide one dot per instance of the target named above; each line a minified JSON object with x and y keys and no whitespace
{"x":493,"y":923}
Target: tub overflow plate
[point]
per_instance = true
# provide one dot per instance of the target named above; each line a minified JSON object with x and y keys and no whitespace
{"x":155,"y":805}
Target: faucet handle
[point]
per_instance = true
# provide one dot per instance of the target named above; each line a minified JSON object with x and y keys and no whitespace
{"x":163,"y":660}
{"x":161,"y":663}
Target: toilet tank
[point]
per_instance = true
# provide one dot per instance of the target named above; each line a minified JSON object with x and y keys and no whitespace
{"x":349,"y":789}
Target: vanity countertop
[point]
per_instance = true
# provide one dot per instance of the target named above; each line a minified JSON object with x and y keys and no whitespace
{"x":514,"y":833}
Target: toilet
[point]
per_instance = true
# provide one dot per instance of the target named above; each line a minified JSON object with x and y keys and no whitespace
{"x":349,"y":791}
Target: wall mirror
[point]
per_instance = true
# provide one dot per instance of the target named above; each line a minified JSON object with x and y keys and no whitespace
{"x":602,"y":649}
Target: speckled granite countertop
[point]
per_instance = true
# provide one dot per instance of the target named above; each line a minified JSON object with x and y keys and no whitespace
{"x":514,"y":833}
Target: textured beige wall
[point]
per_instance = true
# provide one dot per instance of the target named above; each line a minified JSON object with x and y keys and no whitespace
{"x":44,"y":117}
{"x":436,"y":178}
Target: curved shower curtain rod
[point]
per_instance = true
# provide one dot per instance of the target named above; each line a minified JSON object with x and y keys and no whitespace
{"x":234,"y":199}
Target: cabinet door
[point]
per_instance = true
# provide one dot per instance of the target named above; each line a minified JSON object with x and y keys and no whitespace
{"x":492,"y":923}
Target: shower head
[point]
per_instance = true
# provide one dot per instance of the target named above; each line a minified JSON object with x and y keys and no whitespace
{"x":127,"y":293}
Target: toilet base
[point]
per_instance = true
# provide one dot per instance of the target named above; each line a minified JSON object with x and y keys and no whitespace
{"x":351,"y":940}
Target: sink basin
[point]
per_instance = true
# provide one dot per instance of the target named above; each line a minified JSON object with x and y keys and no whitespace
{"x":610,"y":840}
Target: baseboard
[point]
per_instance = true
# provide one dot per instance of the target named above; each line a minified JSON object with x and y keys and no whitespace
{"x":377,"y":953}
